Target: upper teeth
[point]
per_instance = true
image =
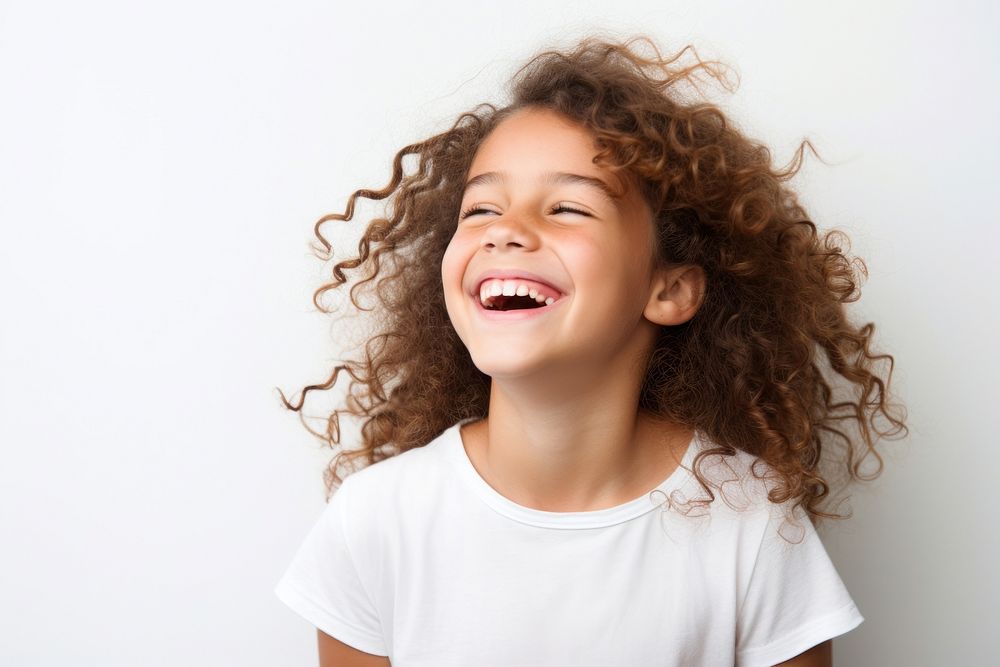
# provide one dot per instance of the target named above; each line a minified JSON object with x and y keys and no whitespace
{"x":493,"y":288}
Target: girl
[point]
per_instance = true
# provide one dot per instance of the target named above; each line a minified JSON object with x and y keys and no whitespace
{"x":595,"y":409}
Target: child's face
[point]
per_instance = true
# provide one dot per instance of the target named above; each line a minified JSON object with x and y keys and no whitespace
{"x":597,"y":257}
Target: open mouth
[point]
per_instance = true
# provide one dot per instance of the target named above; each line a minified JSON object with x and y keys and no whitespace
{"x":512,"y":308}
{"x":495,"y":295}
{"x":505,"y":303}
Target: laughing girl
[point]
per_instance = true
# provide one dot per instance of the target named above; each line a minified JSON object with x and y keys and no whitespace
{"x":599,"y":415}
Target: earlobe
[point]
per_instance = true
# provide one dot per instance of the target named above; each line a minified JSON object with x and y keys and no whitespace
{"x":675,"y":295}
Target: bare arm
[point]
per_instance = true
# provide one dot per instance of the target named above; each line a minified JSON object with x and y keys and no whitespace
{"x":820,"y":655}
{"x":335,"y":653}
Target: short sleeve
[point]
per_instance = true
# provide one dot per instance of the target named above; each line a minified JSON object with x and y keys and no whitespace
{"x":795,"y":598}
{"x":323,"y":586}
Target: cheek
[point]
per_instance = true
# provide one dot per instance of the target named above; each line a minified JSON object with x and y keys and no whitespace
{"x":452,"y":264}
{"x":609,"y":269}
{"x":592,"y":258}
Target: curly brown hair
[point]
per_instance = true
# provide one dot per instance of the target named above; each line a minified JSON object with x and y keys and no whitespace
{"x":752,"y":369}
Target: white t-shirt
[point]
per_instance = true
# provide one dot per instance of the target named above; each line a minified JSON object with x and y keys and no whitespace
{"x":417,"y":558}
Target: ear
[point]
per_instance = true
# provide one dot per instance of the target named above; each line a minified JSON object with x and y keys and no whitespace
{"x":675,"y":294}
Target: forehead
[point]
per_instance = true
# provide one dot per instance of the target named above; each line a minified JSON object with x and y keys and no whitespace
{"x":538,"y":137}
{"x":541,"y":146}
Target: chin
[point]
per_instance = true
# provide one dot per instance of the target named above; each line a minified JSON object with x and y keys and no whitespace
{"x":500,"y":364}
{"x":496,"y":369}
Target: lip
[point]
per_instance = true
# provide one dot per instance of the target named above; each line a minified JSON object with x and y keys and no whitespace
{"x":512,"y":315}
{"x":504,"y":274}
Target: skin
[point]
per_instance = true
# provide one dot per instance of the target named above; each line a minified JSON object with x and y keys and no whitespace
{"x":563,"y":432}
{"x":820,"y":655}
{"x":335,"y":653}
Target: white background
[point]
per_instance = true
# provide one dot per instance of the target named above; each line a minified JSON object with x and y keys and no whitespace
{"x":161,"y":168}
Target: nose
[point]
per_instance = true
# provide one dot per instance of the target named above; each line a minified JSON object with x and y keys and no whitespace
{"x":512,"y":230}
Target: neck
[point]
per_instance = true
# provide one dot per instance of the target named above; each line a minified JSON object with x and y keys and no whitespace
{"x":579,"y":446}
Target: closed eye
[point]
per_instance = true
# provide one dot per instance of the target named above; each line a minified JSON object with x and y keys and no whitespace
{"x":568,"y":209}
{"x":473,"y":211}
{"x":555,"y":209}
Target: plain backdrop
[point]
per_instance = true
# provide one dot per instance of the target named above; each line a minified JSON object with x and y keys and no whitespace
{"x":161,"y":168}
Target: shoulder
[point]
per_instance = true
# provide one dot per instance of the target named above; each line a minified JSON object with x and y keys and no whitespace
{"x":738,"y":479}
{"x":740,"y":485}
{"x":397,"y":497}
{"x":401,"y":478}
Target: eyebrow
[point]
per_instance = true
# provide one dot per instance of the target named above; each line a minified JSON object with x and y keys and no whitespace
{"x":548,"y":178}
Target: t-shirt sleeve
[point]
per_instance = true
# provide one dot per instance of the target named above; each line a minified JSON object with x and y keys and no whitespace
{"x":323,"y":586}
{"x":795,"y":598}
